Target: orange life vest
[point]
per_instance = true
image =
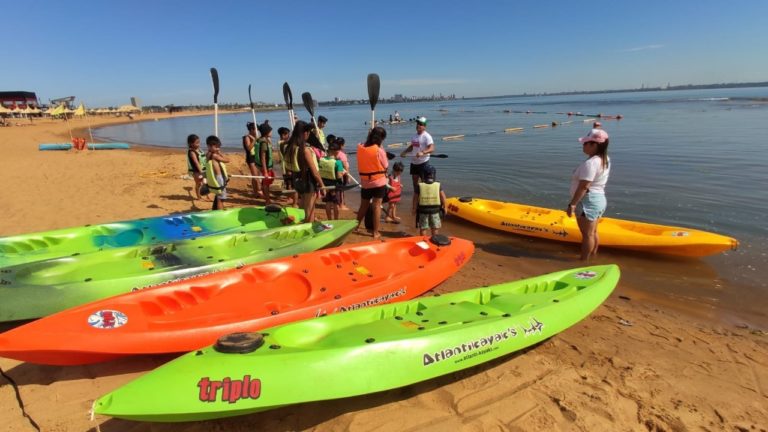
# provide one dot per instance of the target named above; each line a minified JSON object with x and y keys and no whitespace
{"x":368,"y":163}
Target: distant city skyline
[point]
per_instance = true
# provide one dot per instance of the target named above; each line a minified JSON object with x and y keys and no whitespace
{"x":105,"y":52}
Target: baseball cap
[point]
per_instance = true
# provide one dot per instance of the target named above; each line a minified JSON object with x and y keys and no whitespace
{"x":595,"y":135}
{"x":421,"y":120}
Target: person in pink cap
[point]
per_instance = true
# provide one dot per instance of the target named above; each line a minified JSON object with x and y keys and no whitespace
{"x":588,"y":182}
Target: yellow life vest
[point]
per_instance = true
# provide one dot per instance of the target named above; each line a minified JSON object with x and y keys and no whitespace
{"x":327,"y":168}
{"x":210,"y":176}
{"x":429,"y":197}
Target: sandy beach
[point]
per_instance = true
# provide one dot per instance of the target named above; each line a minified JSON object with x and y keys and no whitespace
{"x":637,"y":363}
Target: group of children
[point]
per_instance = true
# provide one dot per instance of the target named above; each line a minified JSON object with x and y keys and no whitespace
{"x":208,"y":169}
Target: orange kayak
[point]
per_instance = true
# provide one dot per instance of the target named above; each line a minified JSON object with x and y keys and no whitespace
{"x":190,"y":314}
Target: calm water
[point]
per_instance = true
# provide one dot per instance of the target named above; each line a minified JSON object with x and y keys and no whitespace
{"x":690,"y":158}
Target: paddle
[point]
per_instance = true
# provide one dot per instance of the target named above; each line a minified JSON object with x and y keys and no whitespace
{"x":253,"y":111}
{"x":391,"y":156}
{"x":309,"y":104}
{"x":215,"y":78}
{"x":288,"y":96}
{"x":338,"y":188}
{"x":374,"y":85}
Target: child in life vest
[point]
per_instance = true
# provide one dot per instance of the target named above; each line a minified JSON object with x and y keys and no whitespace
{"x":285,"y":133}
{"x":394,"y":190}
{"x":428,"y":202}
{"x":216,"y":171}
{"x":331,"y":171}
{"x":264,"y":160}
{"x":196,"y":163}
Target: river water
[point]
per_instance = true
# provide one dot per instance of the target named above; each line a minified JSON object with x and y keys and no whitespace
{"x":693,"y":158}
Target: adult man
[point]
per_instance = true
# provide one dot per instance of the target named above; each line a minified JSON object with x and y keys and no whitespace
{"x":423,"y":145}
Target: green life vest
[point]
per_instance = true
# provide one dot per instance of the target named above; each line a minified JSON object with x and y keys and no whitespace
{"x":262,"y":144}
{"x":327,"y":168}
{"x":429,"y":198}
{"x":200,"y":158}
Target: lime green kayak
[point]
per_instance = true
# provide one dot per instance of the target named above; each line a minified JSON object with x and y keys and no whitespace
{"x":363,"y":351}
{"x":41,"y":288}
{"x":40,"y":246}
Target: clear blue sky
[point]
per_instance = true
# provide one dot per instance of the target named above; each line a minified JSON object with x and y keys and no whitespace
{"x":104,"y":52}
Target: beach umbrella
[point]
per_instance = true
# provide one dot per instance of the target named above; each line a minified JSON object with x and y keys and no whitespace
{"x":59,"y":110}
{"x":80,"y":111}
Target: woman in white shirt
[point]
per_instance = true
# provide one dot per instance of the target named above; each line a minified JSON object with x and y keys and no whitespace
{"x":588,"y":190}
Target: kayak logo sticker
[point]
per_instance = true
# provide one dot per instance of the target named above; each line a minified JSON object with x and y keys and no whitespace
{"x":107,"y":319}
{"x":483,"y":345}
{"x":588,"y":274}
{"x":228,"y":389}
{"x":679,"y":233}
{"x":460,"y":259}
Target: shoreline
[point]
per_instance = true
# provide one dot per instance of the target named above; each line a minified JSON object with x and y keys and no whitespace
{"x":724,"y":315}
{"x":671,"y":368}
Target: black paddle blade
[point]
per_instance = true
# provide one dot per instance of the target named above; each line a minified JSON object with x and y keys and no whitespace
{"x":374,"y":84}
{"x":439,"y":156}
{"x":309,"y":103}
{"x":390,"y":155}
{"x":215,"y":78}
{"x":288,"y":95}
{"x":249,"y":95}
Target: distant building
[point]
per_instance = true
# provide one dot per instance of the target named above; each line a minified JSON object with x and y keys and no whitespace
{"x":135,"y":102}
{"x":20,"y":99}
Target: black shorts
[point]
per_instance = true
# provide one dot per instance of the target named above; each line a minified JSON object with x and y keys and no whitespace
{"x":418,"y":169}
{"x":304,"y":186}
{"x":373,"y":193}
{"x":250,"y":159}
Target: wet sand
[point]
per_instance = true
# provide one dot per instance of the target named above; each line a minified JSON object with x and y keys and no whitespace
{"x":648,"y":359}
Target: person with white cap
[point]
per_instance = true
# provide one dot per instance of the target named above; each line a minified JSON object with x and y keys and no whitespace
{"x":424,"y":145}
{"x":588,"y":182}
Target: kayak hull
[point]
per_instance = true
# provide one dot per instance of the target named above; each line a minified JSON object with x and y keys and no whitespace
{"x":190,"y":314}
{"x":42,"y":288}
{"x":80,"y":240}
{"x":617,"y":233}
{"x":364,"y":351}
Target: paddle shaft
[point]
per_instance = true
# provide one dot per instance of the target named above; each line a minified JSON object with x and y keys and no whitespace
{"x":253,"y":112}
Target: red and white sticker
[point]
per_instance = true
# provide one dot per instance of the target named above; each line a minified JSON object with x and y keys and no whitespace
{"x":585,"y":274}
{"x":107,"y":319}
{"x":680,"y":233}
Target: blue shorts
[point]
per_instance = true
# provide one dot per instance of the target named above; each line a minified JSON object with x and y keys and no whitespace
{"x":222,"y":193}
{"x":592,"y":206}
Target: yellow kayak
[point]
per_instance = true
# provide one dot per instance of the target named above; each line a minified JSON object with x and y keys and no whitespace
{"x":556,"y":225}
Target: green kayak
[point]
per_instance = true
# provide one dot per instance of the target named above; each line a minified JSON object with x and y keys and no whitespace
{"x":41,"y":288}
{"x":363,"y":351}
{"x":40,"y":246}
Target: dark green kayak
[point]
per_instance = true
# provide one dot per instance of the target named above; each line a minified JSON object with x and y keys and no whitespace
{"x":41,"y":288}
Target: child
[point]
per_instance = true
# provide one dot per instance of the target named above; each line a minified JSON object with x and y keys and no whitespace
{"x":345,"y":163}
{"x":264,"y":160}
{"x":282,"y":145}
{"x":394,"y":190}
{"x":195,"y":162}
{"x":251,"y":155}
{"x":429,"y":199}
{"x":331,"y":171}
{"x":216,"y":171}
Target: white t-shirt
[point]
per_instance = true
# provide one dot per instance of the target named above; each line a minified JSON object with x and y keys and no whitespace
{"x":591,"y":170}
{"x":420,"y":142}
